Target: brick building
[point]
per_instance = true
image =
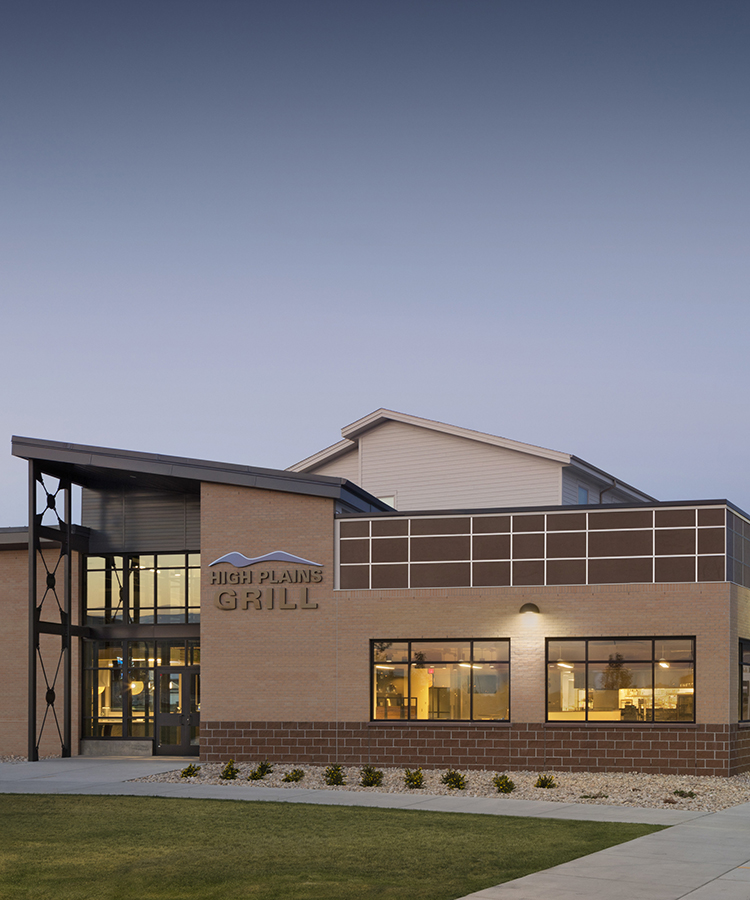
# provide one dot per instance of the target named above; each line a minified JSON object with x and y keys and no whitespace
{"x":226,"y":610}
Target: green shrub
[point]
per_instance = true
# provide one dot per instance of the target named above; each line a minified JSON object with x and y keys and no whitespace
{"x":260,"y":771}
{"x":229,"y":772}
{"x":190,"y":771}
{"x":503,"y":784}
{"x":414,"y":778}
{"x":370,"y":777}
{"x":334,"y":775}
{"x":454,"y":780}
{"x":598,"y":796}
{"x":686,"y":794}
{"x":546,"y":781}
{"x":294,"y":775}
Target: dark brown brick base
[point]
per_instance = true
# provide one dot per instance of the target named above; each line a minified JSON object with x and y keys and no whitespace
{"x":677,"y":749}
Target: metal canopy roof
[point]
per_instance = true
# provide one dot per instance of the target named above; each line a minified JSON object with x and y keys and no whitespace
{"x":99,"y":467}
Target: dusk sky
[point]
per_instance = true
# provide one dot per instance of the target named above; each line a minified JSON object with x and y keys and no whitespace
{"x":231,"y":228}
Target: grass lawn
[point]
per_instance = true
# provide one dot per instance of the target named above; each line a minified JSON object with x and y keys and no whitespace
{"x":149,"y":848}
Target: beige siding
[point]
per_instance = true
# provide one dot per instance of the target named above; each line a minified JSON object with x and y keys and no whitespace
{"x":429,"y":470}
{"x":346,"y":466}
{"x":571,"y":480}
{"x":570,"y":483}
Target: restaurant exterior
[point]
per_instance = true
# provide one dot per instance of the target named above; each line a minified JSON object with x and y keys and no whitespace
{"x":203,"y":608}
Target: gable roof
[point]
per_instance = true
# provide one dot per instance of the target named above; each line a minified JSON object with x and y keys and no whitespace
{"x":351,"y":434}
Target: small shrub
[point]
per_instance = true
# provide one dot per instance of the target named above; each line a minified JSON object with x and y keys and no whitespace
{"x":454,"y":780}
{"x":503,"y":784}
{"x":334,"y":775}
{"x":229,"y":772}
{"x":260,"y":771}
{"x":546,"y":781}
{"x":294,"y":776}
{"x":686,"y":794}
{"x":190,"y":771}
{"x":414,"y":778}
{"x":598,"y":796}
{"x":370,"y":777}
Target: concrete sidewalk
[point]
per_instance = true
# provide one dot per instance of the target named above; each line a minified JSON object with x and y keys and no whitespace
{"x":705,"y":856}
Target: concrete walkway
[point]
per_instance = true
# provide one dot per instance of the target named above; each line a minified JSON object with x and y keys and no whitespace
{"x":705,"y":856}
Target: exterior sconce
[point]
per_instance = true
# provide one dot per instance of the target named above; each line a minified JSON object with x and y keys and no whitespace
{"x":529,"y":608}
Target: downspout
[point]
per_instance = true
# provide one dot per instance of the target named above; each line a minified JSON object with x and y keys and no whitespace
{"x":610,"y":488}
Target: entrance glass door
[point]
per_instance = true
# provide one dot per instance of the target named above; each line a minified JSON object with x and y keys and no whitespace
{"x":178,"y":704}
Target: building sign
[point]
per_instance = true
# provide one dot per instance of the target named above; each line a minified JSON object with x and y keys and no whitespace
{"x":271,"y":591}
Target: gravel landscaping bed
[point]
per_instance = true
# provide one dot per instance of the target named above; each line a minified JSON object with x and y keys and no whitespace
{"x":612,"y":789}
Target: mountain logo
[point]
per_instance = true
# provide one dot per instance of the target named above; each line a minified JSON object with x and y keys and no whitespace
{"x":239,"y":560}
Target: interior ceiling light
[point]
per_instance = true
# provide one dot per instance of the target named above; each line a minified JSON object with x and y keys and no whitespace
{"x":564,"y":665}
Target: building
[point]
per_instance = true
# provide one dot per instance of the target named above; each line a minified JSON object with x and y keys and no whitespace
{"x":298,"y":615}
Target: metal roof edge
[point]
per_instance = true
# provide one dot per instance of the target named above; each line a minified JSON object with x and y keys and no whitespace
{"x":582,"y":464}
{"x":539,"y":510}
{"x":190,"y":469}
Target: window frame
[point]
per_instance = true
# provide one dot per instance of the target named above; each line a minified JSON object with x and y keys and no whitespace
{"x":90,"y":719}
{"x":606,"y":723}
{"x":744,"y":646}
{"x":124,"y":576}
{"x":453,"y":640}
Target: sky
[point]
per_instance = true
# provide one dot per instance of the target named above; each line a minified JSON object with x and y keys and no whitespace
{"x":229,"y":229}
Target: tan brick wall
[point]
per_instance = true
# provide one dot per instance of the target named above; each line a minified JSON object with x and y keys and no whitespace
{"x":14,"y":642}
{"x":268,"y":663}
{"x":294,"y":684}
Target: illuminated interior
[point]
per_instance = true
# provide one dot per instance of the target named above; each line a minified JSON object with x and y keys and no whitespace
{"x":621,"y":680}
{"x":452,"y":680}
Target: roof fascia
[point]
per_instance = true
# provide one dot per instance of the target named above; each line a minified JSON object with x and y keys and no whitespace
{"x":540,"y":510}
{"x":193,"y":470}
{"x":376,"y":418}
{"x":323,"y":456}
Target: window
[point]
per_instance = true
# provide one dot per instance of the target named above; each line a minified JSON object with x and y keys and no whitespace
{"x":453,"y":680}
{"x":620,"y":680}
{"x":744,"y":681}
{"x":142,"y":589}
{"x":119,"y":682}
{"x":583,"y":496}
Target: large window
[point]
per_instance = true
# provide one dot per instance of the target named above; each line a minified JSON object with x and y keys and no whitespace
{"x":445,"y":679}
{"x":119,"y":684}
{"x":744,"y":681}
{"x":621,"y":680}
{"x":142,"y":589}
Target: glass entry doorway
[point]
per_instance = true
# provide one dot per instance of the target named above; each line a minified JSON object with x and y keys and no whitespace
{"x":178,"y":704}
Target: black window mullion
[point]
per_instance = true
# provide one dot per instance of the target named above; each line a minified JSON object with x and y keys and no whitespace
{"x":653,"y":679}
{"x":408,"y":681}
{"x":586,"y":683}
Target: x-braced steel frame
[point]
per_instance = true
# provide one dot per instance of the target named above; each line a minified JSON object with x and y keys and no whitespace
{"x":54,"y":588}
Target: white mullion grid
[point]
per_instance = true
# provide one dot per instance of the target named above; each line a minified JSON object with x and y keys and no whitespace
{"x":369,"y":558}
{"x":587,"y":546}
{"x":695,"y":530}
{"x":545,"y":549}
{"x":471,"y":552}
{"x":408,"y":563}
{"x":653,"y":546}
{"x":511,"y":550}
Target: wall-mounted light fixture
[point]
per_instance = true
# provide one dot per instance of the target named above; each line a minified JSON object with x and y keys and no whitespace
{"x":529,"y":608}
